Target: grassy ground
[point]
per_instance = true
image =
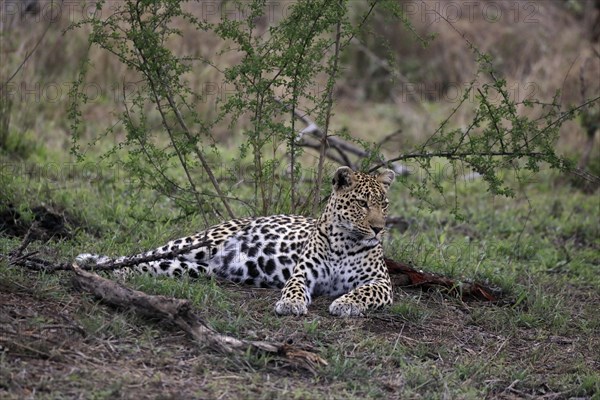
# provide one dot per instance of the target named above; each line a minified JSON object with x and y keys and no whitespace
{"x":542,"y":248}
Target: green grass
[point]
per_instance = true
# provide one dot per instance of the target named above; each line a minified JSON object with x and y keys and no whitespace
{"x":410,"y":310}
{"x":541,"y":248}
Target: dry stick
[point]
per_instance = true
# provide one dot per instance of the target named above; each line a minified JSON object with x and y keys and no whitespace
{"x":36,"y":264}
{"x":145,"y":258}
{"x":181,"y":313}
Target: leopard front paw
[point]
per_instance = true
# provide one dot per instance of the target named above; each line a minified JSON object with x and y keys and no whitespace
{"x":290,"y":307}
{"x":343,"y":308}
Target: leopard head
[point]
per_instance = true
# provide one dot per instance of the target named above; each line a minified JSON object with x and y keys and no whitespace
{"x":358,"y":204}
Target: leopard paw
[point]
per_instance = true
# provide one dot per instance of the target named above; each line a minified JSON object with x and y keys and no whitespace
{"x":343,"y":308}
{"x":291,"y":307}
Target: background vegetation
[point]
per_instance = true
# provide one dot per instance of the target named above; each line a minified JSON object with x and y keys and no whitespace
{"x":107,"y":128}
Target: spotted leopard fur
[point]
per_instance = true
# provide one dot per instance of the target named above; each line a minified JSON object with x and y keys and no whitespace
{"x":338,"y":254}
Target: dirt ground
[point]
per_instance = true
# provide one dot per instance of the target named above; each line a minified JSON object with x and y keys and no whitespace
{"x":47,"y":353}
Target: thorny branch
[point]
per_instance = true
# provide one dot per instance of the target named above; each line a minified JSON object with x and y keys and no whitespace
{"x":521,"y":151}
{"x":452,"y":155}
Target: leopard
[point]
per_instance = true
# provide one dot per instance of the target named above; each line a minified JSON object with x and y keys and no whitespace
{"x":339,"y":254}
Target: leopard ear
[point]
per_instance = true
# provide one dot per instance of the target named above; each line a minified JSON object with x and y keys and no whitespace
{"x":386,"y":177}
{"x":343,"y":178}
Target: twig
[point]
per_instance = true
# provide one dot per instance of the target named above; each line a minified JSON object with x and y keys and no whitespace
{"x":329,"y":106}
{"x":389,"y":137}
{"x":492,"y":117}
{"x":451,"y":155}
{"x":150,"y":159}
{"x":545,"y":129}
{"x":456,"y":155}
{"x":583,"y":174}
{"x":395,"y":72}
{"x":40,"y":353}
{"x":15,"y":260}
{"x":295,"y":94}
{"x":37,"y":264}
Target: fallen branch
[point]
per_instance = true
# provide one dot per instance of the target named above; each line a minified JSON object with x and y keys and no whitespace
{"x":340,"y":158}
{"x":405,"y":275}
{"x":181,"y":313}
{"x":341,"y":146}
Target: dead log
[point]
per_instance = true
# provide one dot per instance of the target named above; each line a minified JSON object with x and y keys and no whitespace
{"x":181,"y":313}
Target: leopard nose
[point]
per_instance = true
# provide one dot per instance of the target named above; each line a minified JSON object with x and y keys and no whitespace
{"x":376,"y":229}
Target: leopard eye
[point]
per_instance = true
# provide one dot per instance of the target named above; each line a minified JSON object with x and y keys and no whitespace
{"x":362,"y":203}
